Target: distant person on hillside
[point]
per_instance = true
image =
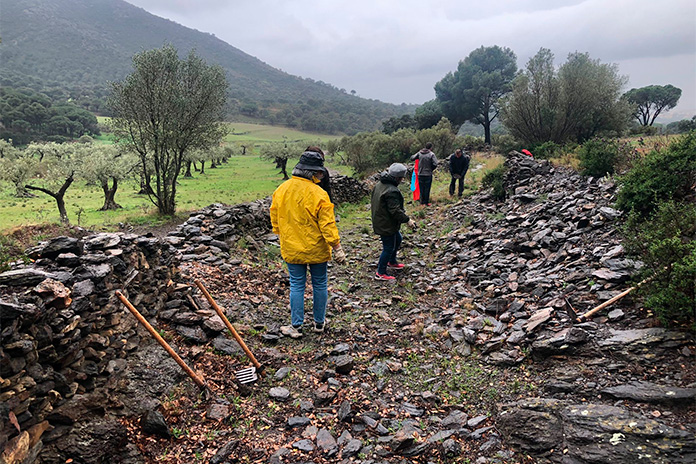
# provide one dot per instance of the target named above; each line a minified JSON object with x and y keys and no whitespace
{"x":458,"y":166}
{"x":387,"y":216}
{"x":303,"y":217}
{"x":427,"y":162}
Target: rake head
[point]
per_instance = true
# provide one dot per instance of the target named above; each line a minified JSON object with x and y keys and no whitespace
{"x":247,"y":375}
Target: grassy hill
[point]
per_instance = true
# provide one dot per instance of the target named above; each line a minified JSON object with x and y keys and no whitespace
{"x":71,"y":49}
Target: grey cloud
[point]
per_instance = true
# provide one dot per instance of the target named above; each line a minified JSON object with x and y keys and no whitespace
{"x":396,"y":50}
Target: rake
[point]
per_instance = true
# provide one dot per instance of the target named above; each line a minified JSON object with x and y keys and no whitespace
{"x":249,"y":374}
{"x":195,"y":377}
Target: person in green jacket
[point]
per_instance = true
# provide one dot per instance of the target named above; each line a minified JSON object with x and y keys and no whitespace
{"x":388,"y":214}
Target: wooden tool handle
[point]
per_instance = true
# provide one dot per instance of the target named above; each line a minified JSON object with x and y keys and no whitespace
{"x":593,"y":311}
{"x":236,"y":336}
{"x":198,"y":380}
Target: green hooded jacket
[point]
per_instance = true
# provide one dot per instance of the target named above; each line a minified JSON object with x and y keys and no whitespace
{"x":387,"y":206}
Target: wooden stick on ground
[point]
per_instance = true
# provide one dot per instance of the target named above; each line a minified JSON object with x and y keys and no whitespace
{"x":231,"y":328}
{"x":596,"y":309}
{"x":197,"y":379}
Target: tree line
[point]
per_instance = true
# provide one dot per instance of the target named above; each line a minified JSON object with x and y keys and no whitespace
{"x":578,"y":100}
{"x":26,"y":116}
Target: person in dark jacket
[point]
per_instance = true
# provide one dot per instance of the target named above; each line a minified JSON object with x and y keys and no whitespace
{"x":387,"y":216}
{"x":325,"y":182}
{"x":458,"y":166}
{"x":426,"y":165}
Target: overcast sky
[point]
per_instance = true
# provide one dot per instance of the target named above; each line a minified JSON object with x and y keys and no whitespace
{"x":396,"y":50}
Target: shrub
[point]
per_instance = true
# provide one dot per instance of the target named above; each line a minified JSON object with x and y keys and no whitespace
{"x":506,"y":143}
{"x":472,"y":142}
{"x":667,"y":174}
{"x":666,"y":243}
{"x":546,"y":150}
{"x":495,"y":179}
{"x":598,"y":157}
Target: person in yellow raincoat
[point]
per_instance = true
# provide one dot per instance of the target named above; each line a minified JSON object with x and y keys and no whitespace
{"x":303,"y":218}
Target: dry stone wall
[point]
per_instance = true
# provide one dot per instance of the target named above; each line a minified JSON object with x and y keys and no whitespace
{"x":63,"y":334}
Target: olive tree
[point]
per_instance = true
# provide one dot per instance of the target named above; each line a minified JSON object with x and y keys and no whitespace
{"x":579,"y":100}
{"x":164,"y":109}
{"x":16,"y":167}
{"x":652,"y":100}
{"x":530,"y":112}
{"x":280,"y":152}
{"x":58,"y":166}
{"x":591,"y":97}
{"x":108,"y":165}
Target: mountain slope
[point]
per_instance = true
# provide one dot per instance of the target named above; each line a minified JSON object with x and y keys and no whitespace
{"x":80,"y":45}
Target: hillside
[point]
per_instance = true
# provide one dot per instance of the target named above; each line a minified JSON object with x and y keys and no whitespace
{"x":73,"y":48}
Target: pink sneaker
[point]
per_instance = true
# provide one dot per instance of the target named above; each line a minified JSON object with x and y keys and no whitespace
{"x":395,"y":266}
{"x":379,"y":276}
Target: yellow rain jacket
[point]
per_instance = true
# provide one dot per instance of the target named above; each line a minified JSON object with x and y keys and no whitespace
{"x":303,"y":217}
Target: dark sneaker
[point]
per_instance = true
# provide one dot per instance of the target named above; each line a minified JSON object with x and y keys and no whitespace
{"x":319,"y":327}
{"x":395,"y":265}
{"x":379,"y":276}
{"x":291,"y":331}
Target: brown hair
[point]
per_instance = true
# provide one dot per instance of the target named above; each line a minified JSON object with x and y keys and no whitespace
{"x":316,"y":149}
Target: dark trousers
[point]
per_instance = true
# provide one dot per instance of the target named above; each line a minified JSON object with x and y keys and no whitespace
{"x":460,"y":190}
{"x":424,"y":182}
{"x":390,"y":245}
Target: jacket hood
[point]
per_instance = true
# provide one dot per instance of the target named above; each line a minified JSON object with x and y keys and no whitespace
{"x":424,"y":150}
{"x":388,"y":178}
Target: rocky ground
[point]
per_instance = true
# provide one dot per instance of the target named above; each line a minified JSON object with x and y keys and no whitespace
{"x":474,"y":354}
{"x":471,"y":355}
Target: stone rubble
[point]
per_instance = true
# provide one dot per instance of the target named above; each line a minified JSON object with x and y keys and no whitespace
{"x":64,"y":339}
{"x":506,"y":276}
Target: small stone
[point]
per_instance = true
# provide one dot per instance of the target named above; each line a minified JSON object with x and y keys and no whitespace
{"x":326,"y":441}
{"x":298,"y":421}
{"x":475,"y":421}
{"x":352,"y":448}
{"x":282,"y":373}
{"x":344,"y":364}
{"x":304,"y":445}
{"x":279,"y":393}
{"x":153,"y":423}
{"x":218,"y":412}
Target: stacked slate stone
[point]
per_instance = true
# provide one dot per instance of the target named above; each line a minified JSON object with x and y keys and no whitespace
{"x":522,"y":268}
{"x":555,"y":236}
{"x":63,"y":332}
{"x":207,"y":235}
{"x":347,"y":189}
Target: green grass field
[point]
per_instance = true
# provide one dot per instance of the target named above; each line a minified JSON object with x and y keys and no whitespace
{"x":241,"y":179}
{"x":244,"y":132}
{"x":241,"y":132}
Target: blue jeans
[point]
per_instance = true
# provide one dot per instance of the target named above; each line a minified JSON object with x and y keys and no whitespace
{"x":390,"y":245}
{"x":320,"y":293}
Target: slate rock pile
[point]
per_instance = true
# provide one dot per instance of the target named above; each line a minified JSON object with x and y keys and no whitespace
{"x":522,"y":268}
{"x":63,"y":334}
{"x":555,"y":238}
{"x":348,"y":189}
{"x":207,"y":235}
